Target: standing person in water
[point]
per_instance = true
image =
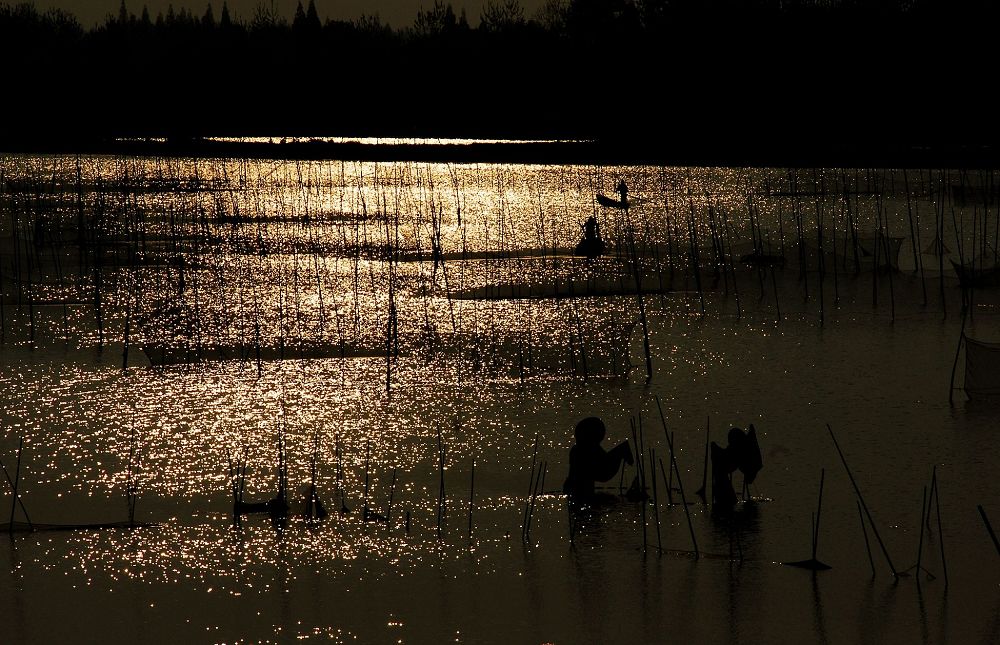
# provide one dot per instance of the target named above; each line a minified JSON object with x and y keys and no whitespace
{"x":623,"y":192}
{"x":743,"y":452}
{"x":589,"y":462}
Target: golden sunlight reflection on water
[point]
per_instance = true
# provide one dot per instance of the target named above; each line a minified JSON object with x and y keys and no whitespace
{"x":390,"y":313}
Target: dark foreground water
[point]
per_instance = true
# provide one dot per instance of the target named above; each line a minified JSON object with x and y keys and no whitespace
{"x":259,"y":296}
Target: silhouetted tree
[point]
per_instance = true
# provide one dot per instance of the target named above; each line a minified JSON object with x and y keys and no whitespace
{"x":436,"y":21}
{"x":775,"y":48}
{"x":265,"y":18}
{"x":372,"y":29}
{"x":312,"y":18}
{"x":306,"y":23}
{"x":501,"y":15}
{"x":552,"y":15}
{"x":208,"y":20}
{"x":595,"y":20}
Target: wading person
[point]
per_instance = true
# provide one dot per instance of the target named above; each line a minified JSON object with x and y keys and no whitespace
{"x":623,"y":192}
{"x":590,"y":230}
{"x":743,"y":452}
{"x":589,"y":462}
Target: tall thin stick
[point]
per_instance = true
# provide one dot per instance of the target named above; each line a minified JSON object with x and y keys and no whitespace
{"x":819,"y":509}
{"x":680,"y":481}
{"x":937,"y":508}
{"x":538,"y":490}
{"x":920,"y":542}
{"x":17,"y":481}
{"x":704,"y":468}
{"x":656,"y":502}
{"x":472,"y":496}
{"x":861,"y":498}
{"x":392,"y":494}
{"x":531,"y":487}
{"x":954,"y":366}
{"x":441,"y":497}
{"x":864,"y":531}
{"x":20,"y":503}
{"x":368,"y":453}
{"x":989,"y":528}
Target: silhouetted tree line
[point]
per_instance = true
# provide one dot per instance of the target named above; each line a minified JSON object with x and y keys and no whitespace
{"x":712,"y":68}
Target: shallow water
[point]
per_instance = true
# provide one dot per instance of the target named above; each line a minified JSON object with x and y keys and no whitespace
{"x":280,"y":258}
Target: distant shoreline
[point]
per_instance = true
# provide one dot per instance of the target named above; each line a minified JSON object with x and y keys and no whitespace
{"x":592,"y":152}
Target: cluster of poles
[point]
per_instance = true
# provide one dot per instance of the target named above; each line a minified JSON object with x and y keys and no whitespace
{"x":280,"y":506}
{"x":258,"y":260}
{"x":252,"y":259}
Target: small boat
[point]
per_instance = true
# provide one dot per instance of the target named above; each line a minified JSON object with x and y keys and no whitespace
{"x":590,"y":247}
{"x":610,"y":202}
{"x":981,"y":273}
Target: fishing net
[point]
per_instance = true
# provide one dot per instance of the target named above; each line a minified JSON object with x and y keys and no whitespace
{"x":982,"y":378}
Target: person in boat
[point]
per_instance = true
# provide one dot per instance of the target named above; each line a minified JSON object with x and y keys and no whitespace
{"x":622,"y":192}
{"x":591,"y":230}
{"x":589,"y":462}
{"x":591,"y":246}
{"x":742,"y":453}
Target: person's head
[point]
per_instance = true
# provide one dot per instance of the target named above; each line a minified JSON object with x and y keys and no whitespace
{"x":736,"y":437}
{"x":590,"y":431}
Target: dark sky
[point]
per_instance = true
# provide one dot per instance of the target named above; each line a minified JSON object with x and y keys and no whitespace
{"x":398,"y":13}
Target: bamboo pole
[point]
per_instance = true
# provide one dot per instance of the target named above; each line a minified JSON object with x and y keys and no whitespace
{"x":920,"y":542}
{"x":864,"y":531}
{"x":531,"y":487}
{"x":680,"y":482}
{"x":17,"y":481}
{"x":656,"y":500}
{"x":472,"y":496}
{"x":989,"y":528}
{"x":937,"y":507}
{"x":20,"y":503}
{"x":861,"y":498}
